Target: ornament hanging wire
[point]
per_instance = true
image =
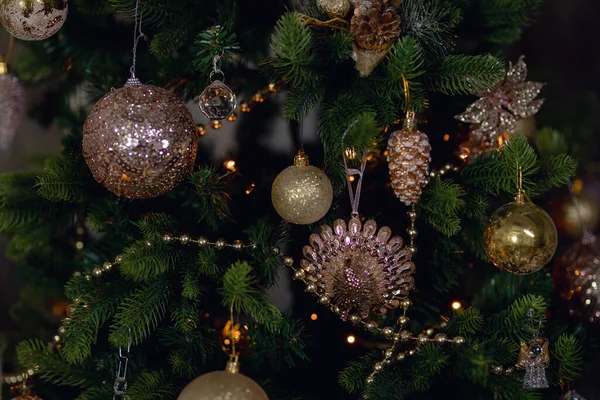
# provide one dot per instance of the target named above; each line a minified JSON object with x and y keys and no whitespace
{"x":354,"y":195}
{"x":137,"y":35}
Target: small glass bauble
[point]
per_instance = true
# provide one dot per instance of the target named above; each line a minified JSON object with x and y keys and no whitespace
{"x":577,"y":279}
{"x":217,"y":101}
{"x":220,"y":385}
{"x":520,"y":238}
{"x":140,"y":141}
{"x":33,"y":20}
{"x":302,"y":194}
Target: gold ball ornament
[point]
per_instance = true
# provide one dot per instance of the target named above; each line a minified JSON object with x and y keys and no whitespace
{"x":33,"y":20}
{"x":335,"y":8}
{"x":302,"y":194}
{"x":139,"y":141}
{"x":219,"y":385}
{"x":520,"y":238}
{"x":577,"y":279}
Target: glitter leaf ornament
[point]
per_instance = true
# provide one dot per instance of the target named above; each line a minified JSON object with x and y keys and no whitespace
{"x":357,"y":269}
{"x":408,"y":160}
{"x":12,"y":102}
{"x":497,"y":110}
{"x":534,"y":358}
{"x":33,"y":20}
{"x":139,"y":141}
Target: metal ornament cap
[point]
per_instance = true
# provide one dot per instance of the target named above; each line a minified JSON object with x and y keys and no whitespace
{"x":361,"y":269}
{"x":217,"y":101}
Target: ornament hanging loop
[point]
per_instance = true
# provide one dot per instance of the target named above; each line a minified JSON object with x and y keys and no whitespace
{"x":137,"y":35}
{"x":520,"y":198}
{"x":409,"y":112}
{"x":217,"y":59}
{"x":351,"y":172}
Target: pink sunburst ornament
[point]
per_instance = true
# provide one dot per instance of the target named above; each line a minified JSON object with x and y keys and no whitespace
{"x":357,"y":269}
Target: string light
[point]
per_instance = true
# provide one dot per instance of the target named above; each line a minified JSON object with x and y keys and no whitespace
{"x":351,"y":339}
{"x":200,"y":129}
{"x":456,"y":305}
{"x":230,"y":165}
{"x":577,"y":186}
{"x":314,"y":317}
{"x":216,"y":124}
{"x":446,"y":137}
{"x":79,"y":245}
{"x":250,"y":188}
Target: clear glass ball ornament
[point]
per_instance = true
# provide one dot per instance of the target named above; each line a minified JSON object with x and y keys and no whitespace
{"x":520,"y":238}
{"x":217,"y":101}
{"x":33,"y":20}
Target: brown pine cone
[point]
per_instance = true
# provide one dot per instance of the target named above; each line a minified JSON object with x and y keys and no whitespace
{"x":375,"y":25}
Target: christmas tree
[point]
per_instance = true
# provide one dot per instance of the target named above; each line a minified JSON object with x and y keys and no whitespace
{"x":402,"y":284}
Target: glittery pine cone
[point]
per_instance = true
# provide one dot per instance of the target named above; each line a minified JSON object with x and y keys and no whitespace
{"x":357,"y":269}
{"x":374,"y":25}
{"x":408,"y":160}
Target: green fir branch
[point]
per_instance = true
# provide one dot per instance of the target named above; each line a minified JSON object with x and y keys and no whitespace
{"x":556,"y":171}
{"x":441,"y":204}
{"x":267,"y":235}
{"x":145,"y":260}
{"x":49,"y":365}
{"x":155,"y":225}
{"x":428,"y":362}
{"x":152,"y":385}
{"x":211,"y":203}
{"x":218,"y":40}
{"x":62,"y":181}
{"x":352,"y":378}
{"x":405,"y":58}
{"x":280,"y":347}
{"x":240,"y":290}
{"x":466,"y":322}
{"x":569,"y":354}
{"x":294,"y":59}
{"x":140,"y":313}
{"x":464,"y":74}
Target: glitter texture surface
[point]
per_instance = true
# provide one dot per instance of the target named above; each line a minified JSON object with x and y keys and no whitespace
{"x":408,"y":160}
{"x":302,"y":194}
{"x":577,"y":279}
{"x":335,"y":8}
{"x":360,"y":269}
{"x":534,"y":358}
{"x":217,"y":101}
{"x":140,"y":141}
{"x":498,"y":109}
{"x":222,"y":385}
{"x":521,"y":238}
{"x":33,"y":19}
{"x":12,"y":101}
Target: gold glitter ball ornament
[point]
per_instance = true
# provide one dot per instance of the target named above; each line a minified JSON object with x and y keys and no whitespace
{"x":409,"y":155}
{"x":140,"y":141}
{"x":220,"y":385}
{"x":33,"y":19}
{"x":520,"y":238}
{"x":577,"y":279}
{"x":335,"y":8}
{"x":360,"y":269}
{"x":302,"y":194}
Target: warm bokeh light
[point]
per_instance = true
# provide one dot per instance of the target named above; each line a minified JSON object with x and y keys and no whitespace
{"x":250,"y":188}
{"x":456,"y":305}
{"x":577,"y":186}
{"x":446,"y":137}
{"x":351,"y":339}
{"x":230,"y":165}
{"x":314,"y":317}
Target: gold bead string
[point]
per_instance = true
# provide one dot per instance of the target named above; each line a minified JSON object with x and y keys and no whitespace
{"x":201,"y":241}
{"x":245,"y":107}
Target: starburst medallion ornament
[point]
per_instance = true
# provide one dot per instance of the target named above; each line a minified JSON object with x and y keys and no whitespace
{"x":497,"y":110}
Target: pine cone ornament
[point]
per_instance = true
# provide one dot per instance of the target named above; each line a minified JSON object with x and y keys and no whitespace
{"x":408,"y":159}
{"x":375,"y":27}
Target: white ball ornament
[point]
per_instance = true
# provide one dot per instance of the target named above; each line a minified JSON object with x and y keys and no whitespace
{"x":33,"y":19}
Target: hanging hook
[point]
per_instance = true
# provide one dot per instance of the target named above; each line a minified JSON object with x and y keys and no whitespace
{"x":409,"y":112}
{"x":120,"y":385}
{"x":520,"y":198}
